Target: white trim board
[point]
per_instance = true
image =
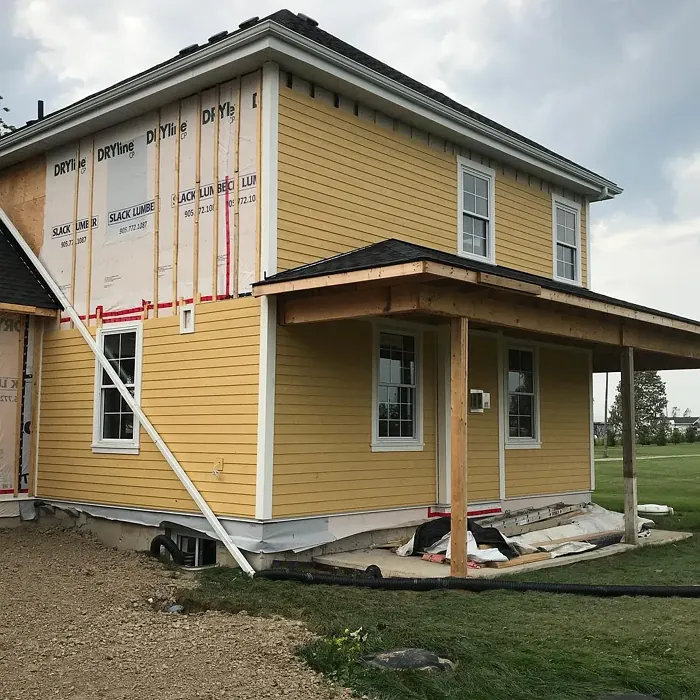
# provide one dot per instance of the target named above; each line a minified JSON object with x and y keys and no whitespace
{"x":245,"y":51}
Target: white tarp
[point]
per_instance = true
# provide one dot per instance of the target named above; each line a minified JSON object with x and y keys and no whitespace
{"x":143,"y":161}
{"x":10,"y":367}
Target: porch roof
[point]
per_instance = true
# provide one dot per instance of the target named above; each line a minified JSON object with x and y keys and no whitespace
{"x":396,"y":278}
{"x":22,"y":289}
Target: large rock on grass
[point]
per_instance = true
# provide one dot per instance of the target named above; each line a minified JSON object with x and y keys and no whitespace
{"x":408,"y":659}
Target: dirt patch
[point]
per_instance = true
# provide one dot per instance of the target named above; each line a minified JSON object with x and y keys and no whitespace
{"x":76,"y":623}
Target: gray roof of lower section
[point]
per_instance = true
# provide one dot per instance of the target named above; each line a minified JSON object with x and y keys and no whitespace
{"x":395,"y":252}
{"x":20,"y":283}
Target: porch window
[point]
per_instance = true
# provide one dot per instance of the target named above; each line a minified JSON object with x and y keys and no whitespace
{"x":115,"y":428}
{"x":521,"y":384}
{"x":397,"y":420}
{"x":566,"y":217}
{"x":476,"y":210}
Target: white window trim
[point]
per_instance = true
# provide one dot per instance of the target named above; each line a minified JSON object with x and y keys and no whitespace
{"x":559,"y":202}
{"x":100,"y":446}
{"x":389,"y":444}
{"x":513,"y":443}
{"x":471,"y":166}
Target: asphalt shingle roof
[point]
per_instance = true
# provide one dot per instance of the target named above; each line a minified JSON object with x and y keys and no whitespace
{"x":395,"y":252}
{"x":20,"y":283}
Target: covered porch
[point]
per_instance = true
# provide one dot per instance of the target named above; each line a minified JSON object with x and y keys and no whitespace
{"x":457,"y":296}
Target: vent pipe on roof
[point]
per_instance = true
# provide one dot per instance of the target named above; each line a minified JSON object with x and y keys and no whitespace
{"x":40,"y":109}
{"x":217,"y":37}
{"x":188,"y":49}
{"x":250,"y":22}
{"x":307,"y":19}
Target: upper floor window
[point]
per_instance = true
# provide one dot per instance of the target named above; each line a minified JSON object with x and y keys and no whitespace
{"x":397,"y":410}
{"x":115,"y":428}
{"x":566,"y":221}
{"x":476,"y":210}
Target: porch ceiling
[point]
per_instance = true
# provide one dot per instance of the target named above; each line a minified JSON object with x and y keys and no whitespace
{"x":433,"y":286}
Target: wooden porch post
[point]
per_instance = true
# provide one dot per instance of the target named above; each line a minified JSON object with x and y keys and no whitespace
{"x":629,"y":460}
{"x":459,"y":328}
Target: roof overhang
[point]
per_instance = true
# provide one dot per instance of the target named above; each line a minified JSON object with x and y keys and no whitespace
{"x":431,"y":291}
{"x":267,"y":40}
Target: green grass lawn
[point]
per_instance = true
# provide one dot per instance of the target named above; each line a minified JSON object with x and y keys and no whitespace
{"x":514,"y":646}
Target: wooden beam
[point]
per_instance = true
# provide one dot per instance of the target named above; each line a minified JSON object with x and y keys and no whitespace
{"x":34,"y":425}
{"x":459,"y":332}
{"x":507,"y":283}
{"x":629,"y":459}
{"x":341,"y":278}
{"x":31,"y":310}
{"x":334,"y":305}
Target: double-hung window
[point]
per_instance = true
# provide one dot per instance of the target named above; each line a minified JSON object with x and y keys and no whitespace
{"x":522,"y":406}
{"x":475,"y":210}
{"x":566,"y":219}
{"x":397,"y":421}
{"x":115,"y":428}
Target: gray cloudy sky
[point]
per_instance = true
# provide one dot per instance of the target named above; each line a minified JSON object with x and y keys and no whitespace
{"x":612,"y":84}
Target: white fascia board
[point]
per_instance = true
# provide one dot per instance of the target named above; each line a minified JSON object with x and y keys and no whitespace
{"x":303,"y":52}
{"x":216,"y":63}
{"x":270,"y":41}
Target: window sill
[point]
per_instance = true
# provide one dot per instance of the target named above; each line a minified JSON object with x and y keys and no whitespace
{"x":529,"y":445}
{"x":398,"y":446}
{"x":479,"y":258}
{"x":105,"y":448}
{"x":566,"y":280}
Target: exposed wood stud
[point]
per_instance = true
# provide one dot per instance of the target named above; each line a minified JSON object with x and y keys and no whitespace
{"x":156,"y":221}
{"x":236,"y":177}
{"x":89,"y":233}
{"x":19,"y":419}
{"x":34,"y":425}
{"x":74,"y":239}
{"x":22,"y":309}
{"x":217,"y":137}
{"x":176,"y":208}
{"x":629,"y":459}
{"x":459,"y":332}
{"x":197,"y":194}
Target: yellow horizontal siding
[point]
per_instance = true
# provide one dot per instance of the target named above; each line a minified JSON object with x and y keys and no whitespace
{"x":563,"y":462}
{"x":482,"y":428}
{"x":323,"y":461}
{"x":345,"y":182}
{"x":200,"y":390}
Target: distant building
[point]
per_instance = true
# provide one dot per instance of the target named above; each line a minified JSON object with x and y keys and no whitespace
{"x":684,"y":422}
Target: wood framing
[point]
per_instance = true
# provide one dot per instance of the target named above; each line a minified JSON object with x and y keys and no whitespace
{"x":459,"y":333}
{"x":19,"y":421}
{"x":629,"y":459}
{"x":34,"y":425}
{"x":31,"y":310}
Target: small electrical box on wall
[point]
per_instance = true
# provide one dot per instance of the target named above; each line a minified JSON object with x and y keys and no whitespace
{"x":187,"y":318}
{"x":479,"y":400}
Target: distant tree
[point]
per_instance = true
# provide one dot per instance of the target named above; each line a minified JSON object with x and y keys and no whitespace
{"x":661,"y":437}
{"x":650,"y":404}
{"x":5,"y":127}
{"x":687,"y":413}
{"x":676,"y":436}
{"x":690,"y":433}
{"x":612,"y":440}
{"x":674,"y":412}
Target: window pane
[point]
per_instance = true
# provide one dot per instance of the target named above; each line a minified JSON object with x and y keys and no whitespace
{"x":469,"y":183}
{"x":106,"y":381}
{"x":525,"y":405}
{"x":482,"y":187}
{"x":126,"y":371}
{"x":111,"y":345}
{"x":513,"y":426}
{"x":469,"y":202}
{"x":513,"y":359}
{"x":393,"y":394}
{"x":127,"y":426}
{"x":406,"y":411}
{"x":468,"y":224}
{"x":384,"y":368}
{"x":561,"y":217}
{"x":565,"y":254}
{"x":482,"y":206}
{"x":561,"y":269}
{"x":570,"y":220}
{"x":394,"y":428}
{"x":561,"y":234}
{"x":128,"y":345}
{"x":383,"y":411}
{"x":525,"y":427}
{"x":409,"y":343}
{"x":110,"y":426}
{"x":383,"y":428}
{"x":525,"y":382}
{"x":513,"y":405}
{"x":394,"y":411}
{"x":111,"y":401}
{"x":525,"y":360}
{"x":407,"y":428}
{"x":383,"y":393}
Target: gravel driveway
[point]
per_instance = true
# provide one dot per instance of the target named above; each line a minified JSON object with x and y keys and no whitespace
{"x":75,"y":624}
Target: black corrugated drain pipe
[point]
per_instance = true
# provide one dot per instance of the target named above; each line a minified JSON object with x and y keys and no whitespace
{"x":477,"y":585}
